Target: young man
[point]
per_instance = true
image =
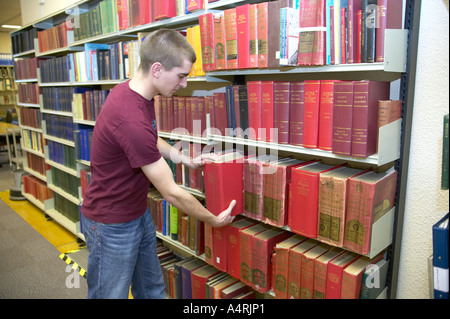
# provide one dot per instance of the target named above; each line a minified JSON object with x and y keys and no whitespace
{"x":126,"y":156}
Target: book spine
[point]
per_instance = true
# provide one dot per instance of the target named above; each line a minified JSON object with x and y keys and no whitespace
{"x":263,"y":33}
{"x":342,"y":117}
{"x":243,"y":36}
{"x":326,"y":115}
{"x":296,"y":113}
{"x":231,"y":38}
{"x":445,"y":155}
{"x":207,"y":41}
{"x":220,"y":53}
{"x":253,"y":36}
{"x":281,"y":110}
{"x":281,"y":273}
{"x":254,"y":108}
{"x":311,"y":113}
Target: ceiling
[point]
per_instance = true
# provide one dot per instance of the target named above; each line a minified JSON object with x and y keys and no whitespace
{"x":10,"y":13}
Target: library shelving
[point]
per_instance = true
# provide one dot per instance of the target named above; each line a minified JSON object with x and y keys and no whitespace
{"x":47,"y":128}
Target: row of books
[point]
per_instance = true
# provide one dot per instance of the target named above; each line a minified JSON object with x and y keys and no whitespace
{"x":66,"y":208}
{"x":37,"y":188}
{"x":335,"y":204}
{"x":277,"y":33}
{"x":88,"y":102}
{"x":6,"y":84}
{"x":37,"y":163}
{"x":28,"y":93}
{"x":61,"y":154}
{"x":83,"y":141}
{"x":25,"y":69}
{"x":192,"y":278}
{"x":33,"y":140}
{"x":292,"y":266}
{"x":57,"y":98}
{"x":59,"y":126}
{"x":23,"y":40}
{"x":85,"y":179}
{"x":332,"y":115}
{"x":65,"y":181}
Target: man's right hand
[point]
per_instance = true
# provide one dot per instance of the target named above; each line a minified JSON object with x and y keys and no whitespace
{"x":225,"y":218}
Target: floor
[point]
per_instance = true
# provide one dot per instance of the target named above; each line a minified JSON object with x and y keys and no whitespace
{"x":31,"y":248}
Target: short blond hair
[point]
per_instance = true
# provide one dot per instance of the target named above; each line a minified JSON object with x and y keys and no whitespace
{"x":166,"y":46}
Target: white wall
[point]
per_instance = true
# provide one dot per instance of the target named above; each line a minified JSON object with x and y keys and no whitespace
{"x":425,"y":202}
{"x":33,"y":10}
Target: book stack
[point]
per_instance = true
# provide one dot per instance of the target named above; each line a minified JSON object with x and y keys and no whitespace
{"x":36,"y":188}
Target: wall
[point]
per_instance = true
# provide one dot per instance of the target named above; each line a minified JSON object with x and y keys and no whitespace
{"x":425,"y":202}
{"x":5,"y":42}
{"x":33,"y":10}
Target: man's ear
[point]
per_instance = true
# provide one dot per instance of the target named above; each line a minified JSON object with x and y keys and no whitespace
{"x":156,"y":69}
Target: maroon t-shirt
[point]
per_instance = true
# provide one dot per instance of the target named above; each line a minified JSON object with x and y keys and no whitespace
{"x":124,"y":140}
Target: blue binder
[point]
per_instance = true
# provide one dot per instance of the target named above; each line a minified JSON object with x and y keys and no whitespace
{"x":440,"y":258}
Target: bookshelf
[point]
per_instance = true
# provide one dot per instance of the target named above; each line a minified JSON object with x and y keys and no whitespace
{"x":7,"y":87}
{"x":397,"y":68}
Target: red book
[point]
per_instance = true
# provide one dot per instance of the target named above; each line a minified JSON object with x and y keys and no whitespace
{"x":281,"y":97}
{"x":122,"y":12}
{"x":233,"y":246}
{"x":370,"y":196}
{"x":320,"y":271}
{"x":188,"y":114}
{"x":220,"y":112}
{"x":220,"y":42}
{"x":295,"y":267}
{"x":262,"y":249}
{"x":234,"y":291}
{"x":243,"y":36}
{"x":220,"y":252}
{"x":358,"y":26}
{"x":263,"y":33}
{"x":254,"y":109}
{"x":366,"y":95}
{"x":209,"y":244}
{"x":267,"y":112}
{"x":307,"y":279}
{"x":163,"y":9}
{"x":198,"y":280}
{"x":221,"y":184}
{"x":245,"y":250}
{"x":296,"y":104}
{"x":231,"y":38}
{"x":304,"y":193}
{"x":311,"y":113}
{"x":342,"y":118}
{"x":281,"y":274}
{"x":145,"y":11}
{"x":206,"y":22}
{"x":326,"y":115}
{"x":334,"y":274}
{"x":353,"y":42}
{"x":253,"y":35}
{"x":276,"y":191}
{"x":193,"y":5}
{"x":390,"y":17}
{"x":353,"y":275}
{"x":333,"y":189}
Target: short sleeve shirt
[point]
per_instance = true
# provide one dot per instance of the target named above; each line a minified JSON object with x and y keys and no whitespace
{"x":124,"y":140}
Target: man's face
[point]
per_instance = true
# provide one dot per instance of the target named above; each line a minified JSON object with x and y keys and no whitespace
{"x":171,"y":81}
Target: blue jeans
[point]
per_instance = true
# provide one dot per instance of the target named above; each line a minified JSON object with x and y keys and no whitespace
{"x":120,"y":256}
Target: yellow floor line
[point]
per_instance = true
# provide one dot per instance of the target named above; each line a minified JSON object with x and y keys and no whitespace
{"x":58,"y":236}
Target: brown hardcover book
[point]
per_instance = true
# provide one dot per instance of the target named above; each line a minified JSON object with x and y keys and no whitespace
{"x":332,"y":204}
{"x":365,"y":116}
{"x":262,"y":249}
{"x":281,"y":97}
{"x":281,"y":265}
{"x":342,"y":118}
{"x":296,"y":113}
{"x":273,"y":39}
{"x":389,"y":111}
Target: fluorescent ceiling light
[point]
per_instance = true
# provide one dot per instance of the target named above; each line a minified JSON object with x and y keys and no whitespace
{"x":11,"y":26}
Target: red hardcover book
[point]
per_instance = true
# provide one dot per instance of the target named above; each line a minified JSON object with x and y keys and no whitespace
{"x":281,"y":97}
{"x":194,"y":5}
{"x":198,"y":280}
{"x":122,"y":12}
{"x":325,"y":137}
{"x":334,"y":274}
{"x":342,"y":118}
{"x":281,"y":265}
{"x":220,"y":252}
{"x":304,"y":198}
{"x":163,"y":9}
{"x":296,"y":104}
{"x":370,"y":196}
{"x":145,"y":11}
{"x":311,"y":113}
{"x":206,"y":22}
{"x":262,"y":249}
{"x":186,"y":276}
{"x":353,"y":35}
{"x":333,"y":189}
{"x":231,"y":38}
{"x":220,"y":52}
{"x":320,"y":271}
{"x":276,"y":190}
{"x":221,"y":184}
{"x":245,"y":250}
{"x":253,"y":35}
{"x":366,"y":95}
{"x":253,"y":187}
{"x":295,"y":267}
{"x":267,"y":132}
{"x":262,"y":10}
{"x":220,"y":112}
{"x":233,"y":246}
{"x":307,"y":279}
{"x":208,"y":244}
{"x":243,"y":36}
{"x":254,"y":109}
{"x":390,"y":17}
{"x":188,"y":114}
{"x":352,"y":277}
